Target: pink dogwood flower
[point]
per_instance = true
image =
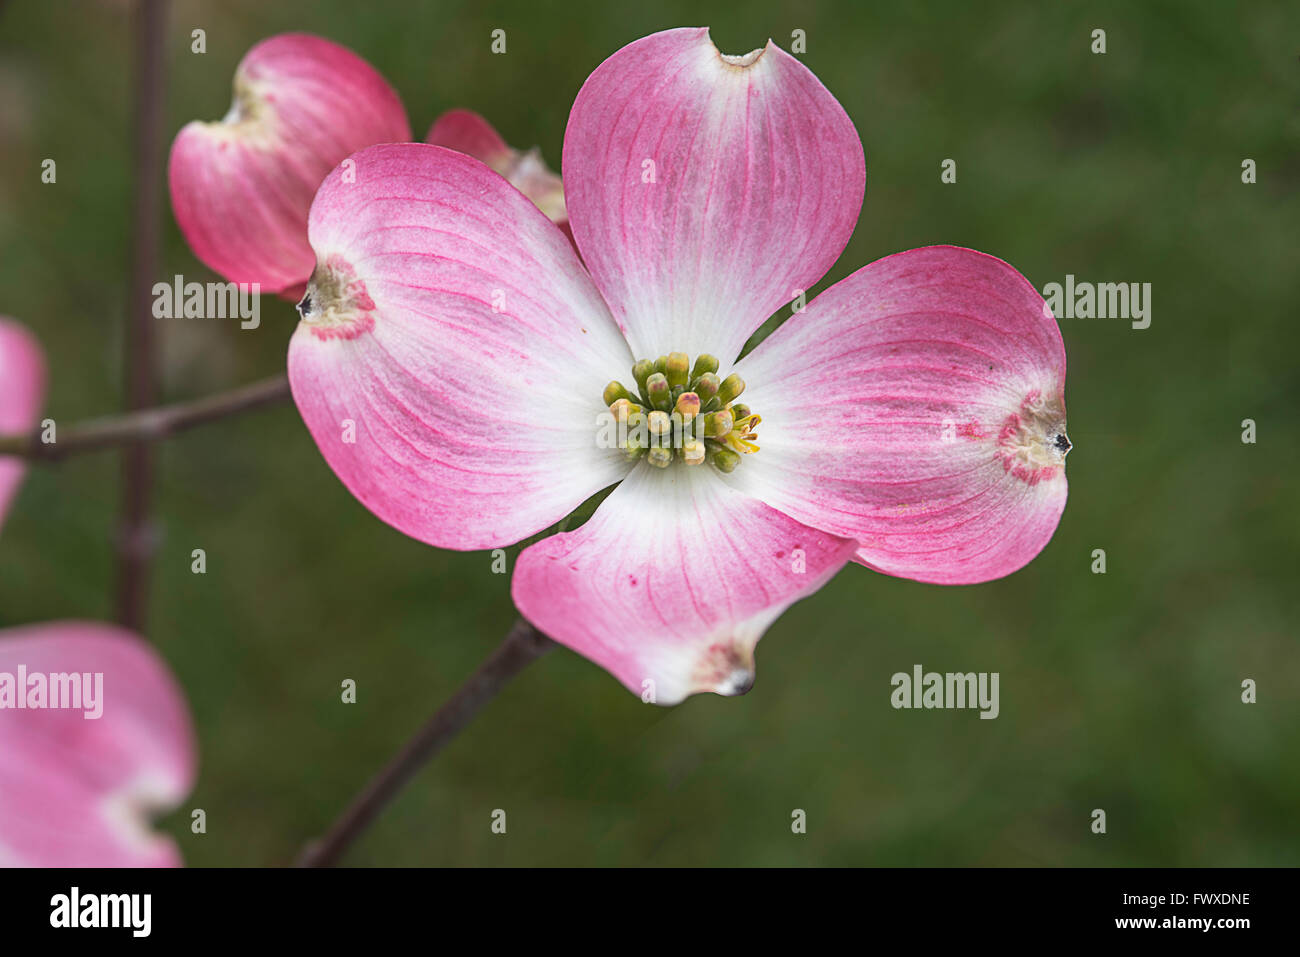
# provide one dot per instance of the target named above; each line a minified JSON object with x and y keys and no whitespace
{"x":459,"y":368}
{"x":22,"y":390}
{"x":95,"y":736}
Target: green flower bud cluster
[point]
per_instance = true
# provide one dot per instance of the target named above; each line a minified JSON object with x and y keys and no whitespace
{"x":682,"y":412}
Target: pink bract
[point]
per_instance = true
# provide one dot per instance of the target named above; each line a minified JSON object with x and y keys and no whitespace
{"x":77,"y":791}
{"x":241,"y":187}
{"x":454,"y":351}
{"x":22,"y":391}
{"x":940,"y":404}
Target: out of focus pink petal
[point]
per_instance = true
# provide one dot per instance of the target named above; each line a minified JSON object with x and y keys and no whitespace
{"x":673,"y":581}
{"x":22,"y":392}
{"x":241,"y":187}
{"x":77,"y":791}
{"x":453,"y":353}
{"x":467,"y":132}
{"x":704,"y":191}
{"x":917,"y":406}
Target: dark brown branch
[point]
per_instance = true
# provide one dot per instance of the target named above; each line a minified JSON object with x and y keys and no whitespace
{"x":135,"y":544}
{"x":146,"y":424}
{"x":521,"y":646}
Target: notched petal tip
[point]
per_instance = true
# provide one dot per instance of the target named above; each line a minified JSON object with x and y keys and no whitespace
{"x":740,"y":61}
{"x":739,"y":682}
{"x":1032,"y":444}
{"x":336,"y":303}
{"x":250,"y":117}
{"x":725,"y":668}
{"x":131,"y":810}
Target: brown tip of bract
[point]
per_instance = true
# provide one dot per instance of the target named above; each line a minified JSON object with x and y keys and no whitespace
{"x":726,"y":668}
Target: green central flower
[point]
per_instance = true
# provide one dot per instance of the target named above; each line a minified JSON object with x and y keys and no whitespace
{"x":685,"y":412}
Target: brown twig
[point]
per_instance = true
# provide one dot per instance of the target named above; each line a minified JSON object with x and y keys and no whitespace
{"x":522,"y":645}
{"x":144,"y":425}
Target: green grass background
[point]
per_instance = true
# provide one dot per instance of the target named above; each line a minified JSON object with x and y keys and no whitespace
{"x":1119,"y":691}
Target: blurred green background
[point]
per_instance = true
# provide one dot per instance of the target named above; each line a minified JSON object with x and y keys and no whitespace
{"x":1119,"y":691}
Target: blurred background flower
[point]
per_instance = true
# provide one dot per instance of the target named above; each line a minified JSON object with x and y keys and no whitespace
{"x":109,"y":746}
{"x":22,"y":390}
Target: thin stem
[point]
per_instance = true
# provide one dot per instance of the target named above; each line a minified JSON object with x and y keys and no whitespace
{"x":135,"y":541}
{"x":522,"y":645}
{"x":145,"y":424}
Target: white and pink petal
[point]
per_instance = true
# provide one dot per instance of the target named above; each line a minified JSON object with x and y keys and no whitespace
{"x":704,"y":191}
{"x":241,"y":187}
{"x":672,"y":582}
{"x":77,"y":791}
{"x":919,"y":407}
{"x":453,"y":352}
